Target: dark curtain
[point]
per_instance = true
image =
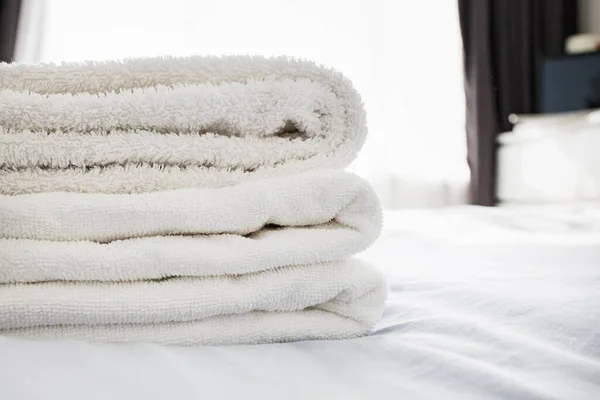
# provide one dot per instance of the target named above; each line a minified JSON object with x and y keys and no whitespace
{"x":9,"y":20}
{"x":504,"y":42}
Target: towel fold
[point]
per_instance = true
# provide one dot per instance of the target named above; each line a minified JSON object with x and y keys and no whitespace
{"x":319,"y":301}
{"x":295,"y":220}
{"x":172,"y":123}
{"x":302,"y":200}
{"x":128,"y":267}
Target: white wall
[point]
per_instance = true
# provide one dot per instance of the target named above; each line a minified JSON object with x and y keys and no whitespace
{"x":589,"y":16}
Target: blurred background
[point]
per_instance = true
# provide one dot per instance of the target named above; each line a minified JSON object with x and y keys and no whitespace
{"x":470,"y":101}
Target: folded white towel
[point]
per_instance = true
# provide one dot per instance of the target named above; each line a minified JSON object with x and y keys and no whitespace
{"x":255,"y":260}
{"x":296,"y":220}
{"x":172,"y":123}
{"x":320,"y":301}
{"x":310,"y":199}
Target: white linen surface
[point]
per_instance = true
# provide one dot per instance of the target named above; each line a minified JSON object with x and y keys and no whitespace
{"x":485,"y":304}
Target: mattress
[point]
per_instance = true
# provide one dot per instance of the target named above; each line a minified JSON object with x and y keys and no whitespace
{"x":484,"y":303}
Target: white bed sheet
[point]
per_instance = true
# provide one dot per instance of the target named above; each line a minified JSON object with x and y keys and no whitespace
{"x":484,"y":304}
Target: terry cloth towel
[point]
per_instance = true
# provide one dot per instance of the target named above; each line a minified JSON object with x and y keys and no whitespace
{"x":318,"y":301}
{"x":296,"y":220}
{"x":257,"y":260}
{"x":167,"y":123}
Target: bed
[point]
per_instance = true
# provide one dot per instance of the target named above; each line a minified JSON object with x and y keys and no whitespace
{"x":484,"y":303}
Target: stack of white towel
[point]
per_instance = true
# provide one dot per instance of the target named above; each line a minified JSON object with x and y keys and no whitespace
{"x":184,"y":201}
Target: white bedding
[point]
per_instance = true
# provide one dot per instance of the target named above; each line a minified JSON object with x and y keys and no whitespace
{"x":484,"y":304}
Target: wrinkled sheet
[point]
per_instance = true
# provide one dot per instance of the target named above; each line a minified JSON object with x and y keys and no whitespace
{"x":492,"y":304}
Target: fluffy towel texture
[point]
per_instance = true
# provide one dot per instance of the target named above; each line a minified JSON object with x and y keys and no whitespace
{"x":168,"y":123}
{"x":319,"y":301}
{"x":309,"y":199}
{"x":297,"y":220}
{"x":277,"y":282}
